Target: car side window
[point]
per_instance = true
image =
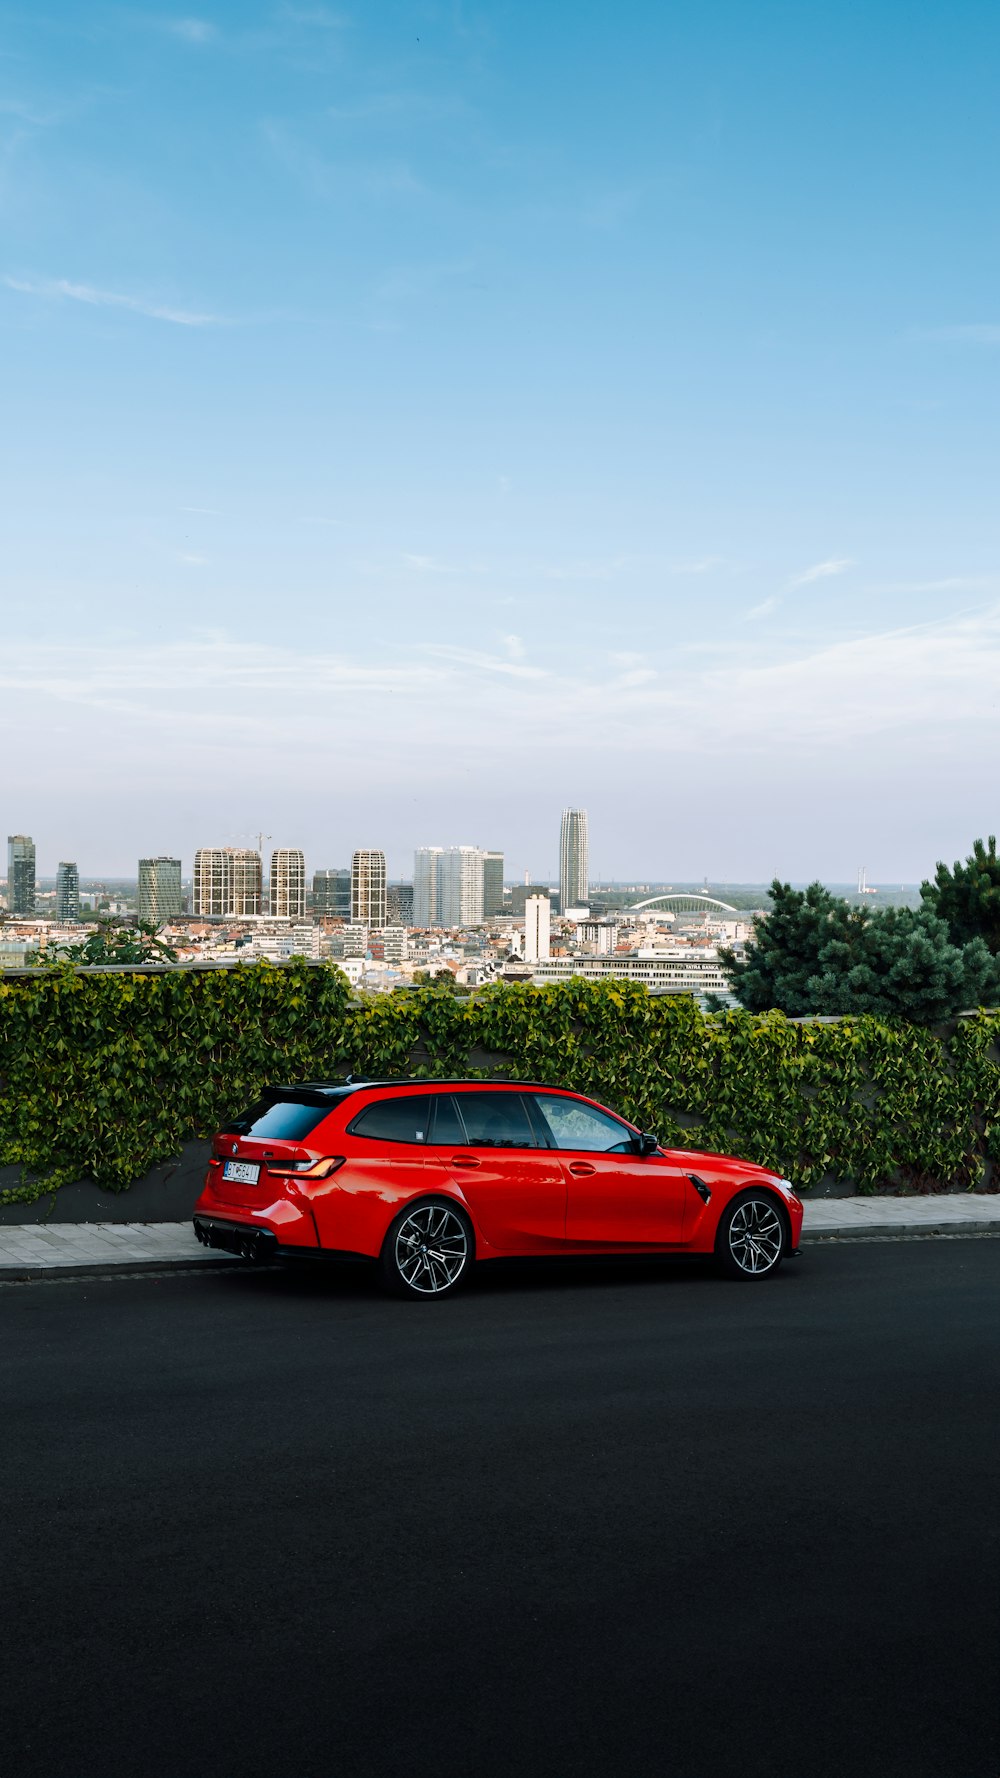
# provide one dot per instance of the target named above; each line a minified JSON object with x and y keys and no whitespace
{"x":446,"y":1130}
{"x":578,"y":1126}
{"x":403,"y":1118}
{"x":496,"y":1120}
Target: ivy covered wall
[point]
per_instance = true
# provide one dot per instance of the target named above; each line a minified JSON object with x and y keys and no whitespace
{"x":104,"y":1075}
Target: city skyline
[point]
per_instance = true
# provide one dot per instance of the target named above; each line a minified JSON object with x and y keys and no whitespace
{"x":613,"y":424}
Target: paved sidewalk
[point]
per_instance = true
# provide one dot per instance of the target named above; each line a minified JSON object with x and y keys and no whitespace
{"x":845,"y":1219}
{"x":30,"y":1249}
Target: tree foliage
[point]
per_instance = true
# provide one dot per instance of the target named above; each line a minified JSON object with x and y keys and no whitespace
{"x":115,"y":942}
{"x":103,"y":1076}
{"x":967,"y":897}
{"x":816,"y":954}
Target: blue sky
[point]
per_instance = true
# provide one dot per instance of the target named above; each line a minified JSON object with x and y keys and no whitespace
{"x":422,"y":417}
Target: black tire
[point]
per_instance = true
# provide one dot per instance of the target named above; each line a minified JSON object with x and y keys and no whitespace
{"x":428,"y":1251}
{"x":753,"y":1236}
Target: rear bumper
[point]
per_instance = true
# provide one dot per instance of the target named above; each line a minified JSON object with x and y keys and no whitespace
{"x":241,"y":1238}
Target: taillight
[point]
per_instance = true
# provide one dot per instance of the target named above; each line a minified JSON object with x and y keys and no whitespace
{"x":307,"y":1169}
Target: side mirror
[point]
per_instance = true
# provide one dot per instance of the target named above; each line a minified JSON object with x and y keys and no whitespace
{"x":646,"y":1143}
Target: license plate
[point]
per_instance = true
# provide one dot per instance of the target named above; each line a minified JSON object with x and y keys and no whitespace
{"x":243,"y":1172}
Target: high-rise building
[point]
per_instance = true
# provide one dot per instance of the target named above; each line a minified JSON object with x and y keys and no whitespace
{"x":368,"y":888}
{"x":332,"y":893}
{"x":288,"y":884}
{"x":460,"y":886}
{"x":227,"y":882}
{"x":492,"y":884}
{"x":159,"y":897}
{"x":399,"y":904}
{"x":20,"y":874}
{"x":425,"y":863}
{"x":537,"y":910}
{"x":574,"y":885}
{"x":67,"y":892}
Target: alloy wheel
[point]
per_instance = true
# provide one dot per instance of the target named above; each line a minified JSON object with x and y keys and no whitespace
{"x":756,"y":1236}
{"x":431,"y":1249}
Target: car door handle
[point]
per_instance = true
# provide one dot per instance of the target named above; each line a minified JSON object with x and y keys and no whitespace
{"x":465,"y":1160}
{"x":581,"y":1167}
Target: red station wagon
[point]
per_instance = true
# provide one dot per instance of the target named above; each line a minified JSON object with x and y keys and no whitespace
{"x":428,"y":1176}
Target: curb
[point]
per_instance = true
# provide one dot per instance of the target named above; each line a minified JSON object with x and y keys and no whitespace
{"x":122,"y":1268}
{"x":905,"y":1231}
{"x":190,"y":1265}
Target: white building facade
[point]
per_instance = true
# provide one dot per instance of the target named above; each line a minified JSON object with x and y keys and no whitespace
{"x":537,"y":927}
{"x":288,"y":884}
{"x":368,"y":884}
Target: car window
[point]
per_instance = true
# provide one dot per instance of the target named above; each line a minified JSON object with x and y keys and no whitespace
{"x":403,"y":1118}
{"x":582,"y":1126}
{"x":286,"y":1120}
{"x":447,"y":1125}
{"x":496,"y":1120}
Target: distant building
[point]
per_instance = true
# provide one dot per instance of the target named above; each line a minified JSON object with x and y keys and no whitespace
{"x":20,"y":873}
{"x":425,"y":885}
{"x":460,"y":886}
{"x":332,"y":893}
{"x":492,"y":884}
{"x":522,"y":893}
{"x":536,"y":928}
{"x":395,"y":944}
{"x":67,"y":892}
{"x":368,"y":888}
{"x":159,"y":898}
{"x":685,"y":972}
{"x":287,"y":889}
{"x":399,"y":904}
{"x":574,"y":886}
{"x":227,"y":883}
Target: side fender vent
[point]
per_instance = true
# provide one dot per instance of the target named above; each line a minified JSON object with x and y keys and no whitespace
{"x":701,"y":1188}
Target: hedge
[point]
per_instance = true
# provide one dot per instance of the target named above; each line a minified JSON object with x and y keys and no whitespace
{"x":105,"y":1074}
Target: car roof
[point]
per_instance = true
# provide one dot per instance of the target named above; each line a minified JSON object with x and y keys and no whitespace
{"x":338,"y":1089}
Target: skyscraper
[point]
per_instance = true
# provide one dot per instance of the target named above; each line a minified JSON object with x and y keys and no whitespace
{"x":67,"y":892}
{"x":574,"y":883}
{"x":332,"y":893}
{"x":425,"y":885}
{"x":460,"y":886}
{"x":288,"y":884}
{"x":20,"y":874}
{"x":227,"y":882}
{"x":159,"y":894}
{"x":492,"y":884}
{"x":368,"y":888}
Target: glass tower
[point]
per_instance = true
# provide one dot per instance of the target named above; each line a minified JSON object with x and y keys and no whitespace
{"x":159,"y":893}
{"x":67,"y":892}
{"x":20,"y":874}
{"x":574,"y":883}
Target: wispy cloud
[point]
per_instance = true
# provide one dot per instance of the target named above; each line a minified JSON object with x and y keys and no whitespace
{"x":922,"y":695}
{"x":822,"y":571}
{"x":190,"y":30}
{"x":62,"y":289}
{"x":808,"y":577}
{"x":191,"y":560}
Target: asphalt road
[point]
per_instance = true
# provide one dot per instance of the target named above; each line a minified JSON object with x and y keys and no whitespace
{"x":596,"y":1521}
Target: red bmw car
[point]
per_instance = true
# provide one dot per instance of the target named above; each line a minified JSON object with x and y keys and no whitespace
{"x":427,"y":1177}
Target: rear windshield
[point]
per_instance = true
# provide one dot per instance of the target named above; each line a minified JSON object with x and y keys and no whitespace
{"x":286,"y":1120}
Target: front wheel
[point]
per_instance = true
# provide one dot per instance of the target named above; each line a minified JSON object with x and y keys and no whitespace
{"x":752,"y":1237}
{"x":428,"y":1250}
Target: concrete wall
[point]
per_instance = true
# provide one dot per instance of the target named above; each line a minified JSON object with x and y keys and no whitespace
{"x":165,"y":1194}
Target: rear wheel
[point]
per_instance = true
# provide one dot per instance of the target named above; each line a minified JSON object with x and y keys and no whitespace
{"x":752,"y":1236}
{"x":428,"y":1250}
